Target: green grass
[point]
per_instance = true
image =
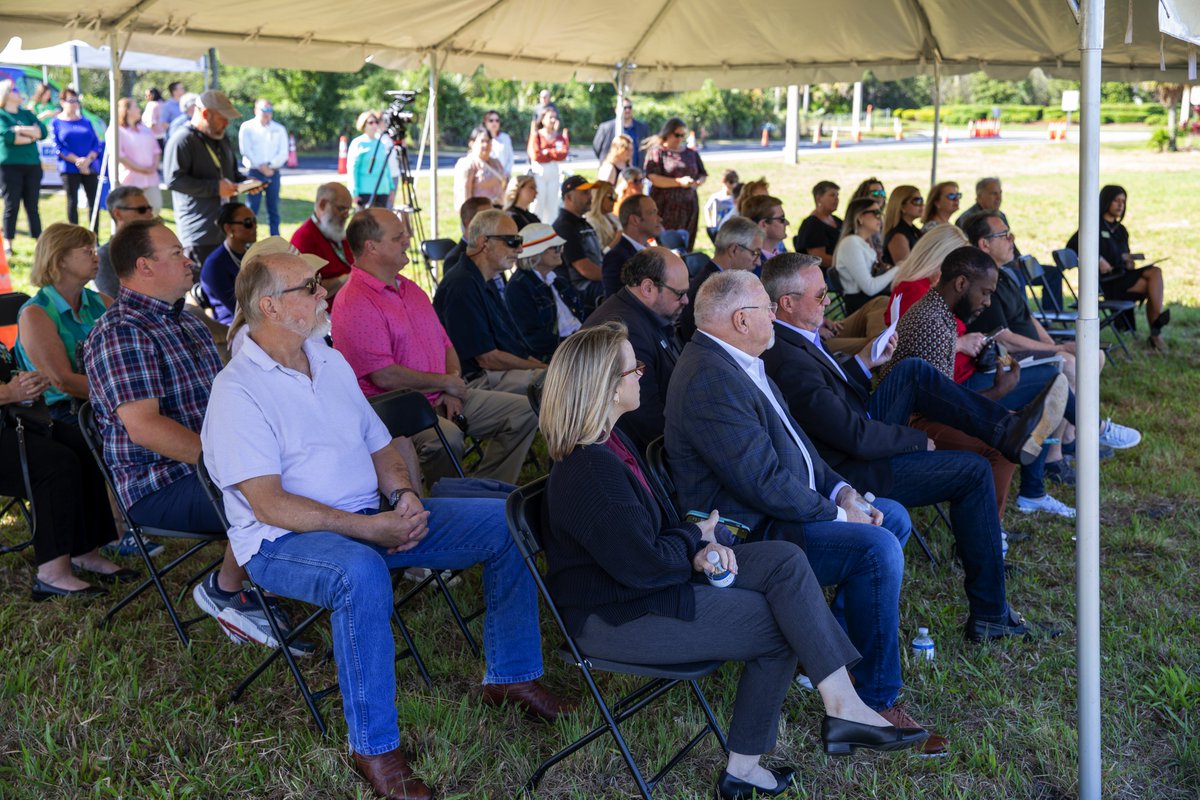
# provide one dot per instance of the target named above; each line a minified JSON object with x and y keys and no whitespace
{"x":126,"y":712}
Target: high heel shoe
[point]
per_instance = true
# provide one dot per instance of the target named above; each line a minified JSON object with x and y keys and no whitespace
{"x":841,"y":737}
{"x":731,"y":788}
{"x":46,"y":591}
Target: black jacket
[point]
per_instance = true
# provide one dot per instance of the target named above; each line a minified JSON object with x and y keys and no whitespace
{"x":833,"y":412}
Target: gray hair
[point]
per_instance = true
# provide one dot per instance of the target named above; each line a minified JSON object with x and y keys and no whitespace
{"x":780,"y":272}
{"x":737,"y":230}
{"x":983,"y":183}
{"x":721,"y":295}
{"x":256,"y":280}
{"x":485,"y":223}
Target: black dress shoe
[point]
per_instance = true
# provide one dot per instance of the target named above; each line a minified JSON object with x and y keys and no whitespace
{"x":841,"y":737}
{"x":731,"y":788}
{"x":122,"y":574}
{"x":978,"y":630}
{"x":45,"y":591}
{"x":1027,"y":430}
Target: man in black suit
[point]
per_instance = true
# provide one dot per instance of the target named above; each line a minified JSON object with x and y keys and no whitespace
{"x":738,"y":244}
{"x":634,"y":129}
{"x":640,"y":223}
{"x":649,"y":304}
{"x":865,"y":437}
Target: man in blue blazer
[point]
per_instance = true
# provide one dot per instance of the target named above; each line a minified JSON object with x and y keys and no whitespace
{"x":733,"y":447}
{"x":869,"y":441}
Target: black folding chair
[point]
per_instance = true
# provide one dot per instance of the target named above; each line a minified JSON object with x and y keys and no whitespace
{"x":434,"y":252}
{"x":525,"y":512}
{"x":282,"y":642}
{"x":91,"y":434}
{"x":1113,"y":313}
{"x":407,"y":413}
{"x":695,"y":262}
{"x":10,"y":310}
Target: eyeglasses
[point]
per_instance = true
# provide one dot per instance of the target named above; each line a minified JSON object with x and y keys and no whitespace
{"x":514,"y":240}
{"x":784,"y":220}
{"x":136,"y":209}
{"x":249,"y":224}
{"x":311,"y":285}
{"x":638,"y":368}
{"x":954,"y":195}
{"x":1005,"y":234}
{"x":771,"y":307}
{"x":679,"y":295}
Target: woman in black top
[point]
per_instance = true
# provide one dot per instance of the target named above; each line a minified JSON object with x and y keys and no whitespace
{"x":1119,"y":278}
{"x":903,"y":209}
{"x":625,"y":574}
{"x":819,"y":232}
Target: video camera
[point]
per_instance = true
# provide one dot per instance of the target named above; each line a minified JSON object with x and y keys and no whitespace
{"x":399,"y":113}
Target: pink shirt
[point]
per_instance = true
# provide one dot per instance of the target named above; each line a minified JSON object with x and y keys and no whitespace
{"x":376,"y":325}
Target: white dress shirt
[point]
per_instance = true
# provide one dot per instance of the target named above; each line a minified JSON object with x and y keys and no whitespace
{"x":757,"y":372}
{"x":263,"y":144}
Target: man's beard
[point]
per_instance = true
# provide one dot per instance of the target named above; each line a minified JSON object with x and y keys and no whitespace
{"x":331,"y":230}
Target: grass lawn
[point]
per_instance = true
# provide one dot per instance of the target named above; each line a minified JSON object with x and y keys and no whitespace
{"x":126,"y":712}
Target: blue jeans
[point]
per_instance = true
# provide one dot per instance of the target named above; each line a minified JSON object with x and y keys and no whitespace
{"x":915,"y":385}
{"x":866,"y":564}
{"x":272,"y":193}
{"x":352,"y":578}
{"x":178,"y":506}
{"x":1033,"y":380}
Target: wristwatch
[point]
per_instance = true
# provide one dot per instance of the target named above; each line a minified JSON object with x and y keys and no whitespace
{"x":394,"y":497}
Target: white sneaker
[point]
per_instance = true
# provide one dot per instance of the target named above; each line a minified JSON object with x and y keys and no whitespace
{"x":1045,"y":503}
{"x":1118,"y":437}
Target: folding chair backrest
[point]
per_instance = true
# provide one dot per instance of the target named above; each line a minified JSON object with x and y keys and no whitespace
{"x":695,"y":262}
{"x":211,"y":490}
{"x":660,"y":481}
{"x":407,"y":413}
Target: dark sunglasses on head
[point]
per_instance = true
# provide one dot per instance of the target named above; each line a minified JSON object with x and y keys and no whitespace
{"x":954,"y":195}
{"x":136,"y":209}
{"x":514,"y":240}
{"x":311,"y":285}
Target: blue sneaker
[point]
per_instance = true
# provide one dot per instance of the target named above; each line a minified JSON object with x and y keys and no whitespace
{"x":126,"y":547}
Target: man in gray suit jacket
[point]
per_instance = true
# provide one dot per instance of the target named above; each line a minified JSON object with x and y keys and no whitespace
{"x":733,"y":447}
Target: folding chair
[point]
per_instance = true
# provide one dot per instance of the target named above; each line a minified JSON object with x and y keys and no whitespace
{"x":660,"y":481}
{"x":91,"y":434}
{"x":695,"y":262}
{"x":434,"y":251}
{"x":281,"y":646}
{"x":525,"y":512}
{"x":10,"y":310}
{"x":1113,"y":313}
{"x":407,"y":413}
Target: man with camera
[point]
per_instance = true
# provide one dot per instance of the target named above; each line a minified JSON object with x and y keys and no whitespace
{"x":388,"y":331}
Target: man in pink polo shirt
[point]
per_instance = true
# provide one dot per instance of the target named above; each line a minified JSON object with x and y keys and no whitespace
{"x":385,"y":326}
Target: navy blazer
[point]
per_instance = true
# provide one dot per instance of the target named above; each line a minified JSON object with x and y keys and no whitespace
{"x":610,"y":268}
{"x":729,"y":450}
{"x":833,"y":411}
{"x":655,"y":345}
{"x":533,"y":309}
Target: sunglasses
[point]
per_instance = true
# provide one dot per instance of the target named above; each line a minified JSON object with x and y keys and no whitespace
{"x":954,"y":196}
{"x":639,"y":368}
{"x":311,"y":285}
{"x":249,"y":224}
{"x":136,"y":209}
{"x":514,"y":241}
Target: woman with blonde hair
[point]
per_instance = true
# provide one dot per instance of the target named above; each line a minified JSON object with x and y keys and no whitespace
{"x":601,"y":217}
{"x":903,"y":209}
{"x":620,"y":156}
{"x":941,"y":203}
{"x":623,"y":570}
{"x":139,"y":156}
{"x":522,"y":191}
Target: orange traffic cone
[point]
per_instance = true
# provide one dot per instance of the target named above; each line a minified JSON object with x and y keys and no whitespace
{"x":343,"y":154}
{"x":292,"y":161}
{"x":833,"y":141}
{"x":8,"y":333}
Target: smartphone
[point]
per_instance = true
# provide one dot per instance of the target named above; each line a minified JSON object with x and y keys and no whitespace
{"x":738,"y":529}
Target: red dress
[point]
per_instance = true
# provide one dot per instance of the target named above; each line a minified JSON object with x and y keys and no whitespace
{"x":678,"y":206}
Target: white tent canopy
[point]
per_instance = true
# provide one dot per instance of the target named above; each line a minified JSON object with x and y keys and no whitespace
{"x":675,"y":45}
{"x":88,"y":57}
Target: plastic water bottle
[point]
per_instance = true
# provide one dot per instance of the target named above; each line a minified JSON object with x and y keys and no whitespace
{"x":719,"y":577}
{"x":922,"y":646}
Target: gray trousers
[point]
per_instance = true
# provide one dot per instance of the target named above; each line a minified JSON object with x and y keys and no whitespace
{"x":772,"y":617}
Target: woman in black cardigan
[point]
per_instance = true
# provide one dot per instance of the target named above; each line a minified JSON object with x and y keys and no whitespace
{"x":627,"y":582}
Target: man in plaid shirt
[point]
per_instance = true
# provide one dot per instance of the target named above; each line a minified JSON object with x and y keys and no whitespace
{"x":151,"y":366}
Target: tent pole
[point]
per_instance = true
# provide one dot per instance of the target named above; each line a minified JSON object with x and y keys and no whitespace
{"x":937,"y":119}
{"x":433,"y":144}
{"x":791,"y":128}
{"x":1087,"y":405}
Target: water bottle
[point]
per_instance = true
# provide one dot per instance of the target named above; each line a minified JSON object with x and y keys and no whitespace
{"x":922,"y":646}
{"x":719,"y":577}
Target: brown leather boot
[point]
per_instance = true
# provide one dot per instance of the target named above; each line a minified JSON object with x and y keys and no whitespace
{"x":533,"y":699}
{"x":391,"y":777}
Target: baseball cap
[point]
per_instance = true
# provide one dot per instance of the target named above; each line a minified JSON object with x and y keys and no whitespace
{"x":576,"y":182}
{"x":213,"y":100}
{"x":537,"y":238}
{"x":277,"y":244}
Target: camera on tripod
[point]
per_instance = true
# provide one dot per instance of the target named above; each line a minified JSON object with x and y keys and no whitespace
{"x":399,"y":113}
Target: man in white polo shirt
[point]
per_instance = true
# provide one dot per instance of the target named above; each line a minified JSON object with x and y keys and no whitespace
{"x":303,"y":502}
